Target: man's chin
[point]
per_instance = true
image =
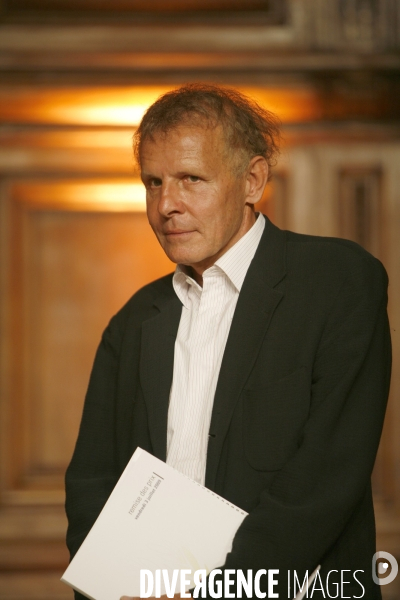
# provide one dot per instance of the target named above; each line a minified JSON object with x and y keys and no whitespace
{"x":182,"y":259}
{"x":182,"y":256}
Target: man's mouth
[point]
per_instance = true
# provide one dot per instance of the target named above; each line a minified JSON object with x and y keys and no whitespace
{"x":178,"y":232}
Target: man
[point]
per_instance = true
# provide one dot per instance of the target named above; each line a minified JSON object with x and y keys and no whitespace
{"x":260,"y":368}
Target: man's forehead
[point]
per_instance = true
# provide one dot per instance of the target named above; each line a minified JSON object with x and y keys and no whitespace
{"x":184,"y":141}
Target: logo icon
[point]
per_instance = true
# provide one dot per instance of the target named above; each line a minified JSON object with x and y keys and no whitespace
{"x":387,"y":565}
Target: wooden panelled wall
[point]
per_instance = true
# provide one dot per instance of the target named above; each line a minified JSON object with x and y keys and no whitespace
{"x":74,"y":240}
{"x":76,"y":245}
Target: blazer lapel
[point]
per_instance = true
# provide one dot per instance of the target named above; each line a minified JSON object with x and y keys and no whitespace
{"x":257,"y":302}
{"x":156,"y":367}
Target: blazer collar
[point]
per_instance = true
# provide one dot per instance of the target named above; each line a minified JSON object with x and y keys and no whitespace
{"x":269,"y":262}
{"x":156,"y":365}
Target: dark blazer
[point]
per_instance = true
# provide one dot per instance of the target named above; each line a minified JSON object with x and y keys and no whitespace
{"x":297,"y":415}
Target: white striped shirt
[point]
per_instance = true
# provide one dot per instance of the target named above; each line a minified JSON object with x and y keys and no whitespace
{"x":206,"y":318}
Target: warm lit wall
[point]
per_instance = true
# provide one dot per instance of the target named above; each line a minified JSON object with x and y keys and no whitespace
{"x":75,"y":243}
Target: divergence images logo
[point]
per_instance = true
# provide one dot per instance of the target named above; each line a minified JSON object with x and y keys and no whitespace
{"x":388,"y":565}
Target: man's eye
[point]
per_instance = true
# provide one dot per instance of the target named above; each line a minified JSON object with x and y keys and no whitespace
{"x":155,"y":182}
{"x":192,"y":178}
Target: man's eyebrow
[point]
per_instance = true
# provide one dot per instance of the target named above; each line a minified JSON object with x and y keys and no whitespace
{"x":144,"y":175}
{"x":186,"y":172}
{"x":181,"y":173}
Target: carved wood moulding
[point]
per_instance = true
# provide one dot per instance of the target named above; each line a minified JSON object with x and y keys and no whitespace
{"x":244,"y":11}
{"x":144,"y":5}
{"x":360,"y":205}
{"x":357,"y":24}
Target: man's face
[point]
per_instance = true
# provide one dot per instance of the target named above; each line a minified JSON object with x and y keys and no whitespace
{"x":196,"y":205}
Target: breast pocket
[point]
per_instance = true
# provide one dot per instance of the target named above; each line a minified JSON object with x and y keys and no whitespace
{"x":273,"y":420}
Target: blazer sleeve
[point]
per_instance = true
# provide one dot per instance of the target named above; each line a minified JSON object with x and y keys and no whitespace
{"x":305,"y":509}
{"x":92,"y":472}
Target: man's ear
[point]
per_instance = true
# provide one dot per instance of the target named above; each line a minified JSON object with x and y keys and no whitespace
{"x":256,"y":179}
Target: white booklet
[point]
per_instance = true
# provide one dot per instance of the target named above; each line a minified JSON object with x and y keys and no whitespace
{"x":155,"y":518}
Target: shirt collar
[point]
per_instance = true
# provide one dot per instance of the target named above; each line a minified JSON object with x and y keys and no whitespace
{"x":234,"y":263}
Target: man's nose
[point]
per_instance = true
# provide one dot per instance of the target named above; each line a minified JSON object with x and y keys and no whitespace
{"x":169,"y":200}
